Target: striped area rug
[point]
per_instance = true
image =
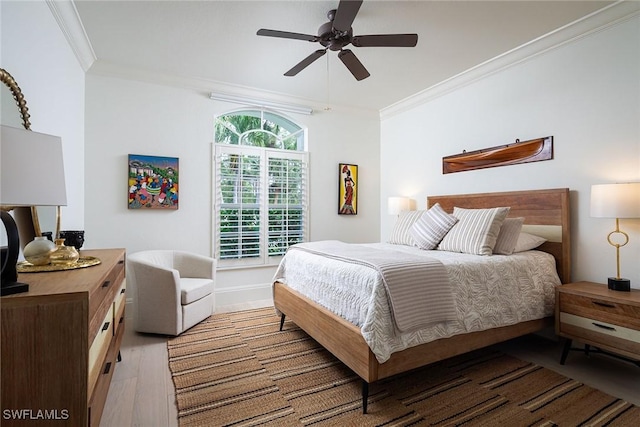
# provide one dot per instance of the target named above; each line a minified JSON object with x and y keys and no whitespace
{"x":238,"y":369}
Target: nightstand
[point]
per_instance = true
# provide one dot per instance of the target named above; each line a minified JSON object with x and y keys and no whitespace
{"x":596,"y":316}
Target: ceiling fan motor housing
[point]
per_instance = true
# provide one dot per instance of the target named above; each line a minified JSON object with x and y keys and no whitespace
{"x":333,"y":39}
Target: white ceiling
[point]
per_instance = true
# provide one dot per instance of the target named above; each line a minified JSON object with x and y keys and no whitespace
{"x":216,"y":41}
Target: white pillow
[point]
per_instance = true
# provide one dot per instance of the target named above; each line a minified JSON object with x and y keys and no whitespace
{"x":527,"y":242}
{"x":431,"y":227}
{"x":476,"y":232}
{"x":508,"y":236}
{"x":400,"y":233}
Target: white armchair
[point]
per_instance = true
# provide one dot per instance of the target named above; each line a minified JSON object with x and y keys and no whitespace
{"x":172,"y":290}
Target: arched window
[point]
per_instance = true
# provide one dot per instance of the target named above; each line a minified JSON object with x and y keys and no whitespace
{"x":260,"y":186}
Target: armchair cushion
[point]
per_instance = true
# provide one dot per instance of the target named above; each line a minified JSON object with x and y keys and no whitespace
{"x":193,"y":289}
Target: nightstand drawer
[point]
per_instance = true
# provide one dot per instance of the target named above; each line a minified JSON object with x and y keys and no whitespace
{"x":598,"y":332}
{"x":600,"y":309}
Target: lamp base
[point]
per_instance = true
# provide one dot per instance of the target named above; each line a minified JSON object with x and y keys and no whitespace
{"x":14,"y":288}
{"x":616,"y":284}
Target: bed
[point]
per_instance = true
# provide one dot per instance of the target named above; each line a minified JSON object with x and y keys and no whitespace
{"x":546,"y":213}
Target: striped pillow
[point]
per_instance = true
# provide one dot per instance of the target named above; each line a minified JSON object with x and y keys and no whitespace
{"x":429,"y":230}
{"x":476,"y":231}
{"x":508,"y":236}
{"x":400,"y":233}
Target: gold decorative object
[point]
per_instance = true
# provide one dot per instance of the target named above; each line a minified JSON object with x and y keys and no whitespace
{"x":83,"y":262}
{"x":8,"y":80}
{"x":64,"y":255}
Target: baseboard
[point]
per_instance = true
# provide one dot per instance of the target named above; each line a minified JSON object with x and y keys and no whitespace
{"x":243,"y":294}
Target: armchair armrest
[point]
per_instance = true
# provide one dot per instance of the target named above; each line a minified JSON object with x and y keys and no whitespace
{"x":194,"y":265}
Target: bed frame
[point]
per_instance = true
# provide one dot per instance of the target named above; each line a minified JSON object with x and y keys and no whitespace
{"x":546,"y":212}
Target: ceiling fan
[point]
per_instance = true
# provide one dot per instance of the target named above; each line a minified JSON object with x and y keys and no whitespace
{"x":336,"y":34}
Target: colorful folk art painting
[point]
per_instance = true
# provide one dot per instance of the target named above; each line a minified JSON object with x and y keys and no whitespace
{"x":153,"y":182}
{"x":348,"y":189}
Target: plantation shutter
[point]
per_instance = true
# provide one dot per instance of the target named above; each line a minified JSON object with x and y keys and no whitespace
{"x":261,"y":203}
{"x":287,"y":202}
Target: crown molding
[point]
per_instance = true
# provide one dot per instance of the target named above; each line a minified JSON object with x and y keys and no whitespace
{"x":602,"y":19}
{"x":66,"y":15}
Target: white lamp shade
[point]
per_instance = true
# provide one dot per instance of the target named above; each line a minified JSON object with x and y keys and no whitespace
{"x":615,"y":200}
{"x":32,"y":172}
{"x":395,"y":205}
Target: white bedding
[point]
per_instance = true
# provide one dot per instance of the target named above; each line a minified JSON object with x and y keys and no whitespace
{"x":489,"y":291}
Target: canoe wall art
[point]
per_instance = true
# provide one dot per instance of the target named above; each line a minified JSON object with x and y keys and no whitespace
{"x":533,"y":150}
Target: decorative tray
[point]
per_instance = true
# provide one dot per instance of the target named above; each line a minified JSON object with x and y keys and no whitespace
{"x":83,"y":261}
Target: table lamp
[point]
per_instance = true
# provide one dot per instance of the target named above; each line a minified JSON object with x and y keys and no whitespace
{"x":616,"y":201}
{"x":32,"y":174}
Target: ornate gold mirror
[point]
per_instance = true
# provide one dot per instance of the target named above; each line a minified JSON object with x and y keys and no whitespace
{"x":28,"y":220}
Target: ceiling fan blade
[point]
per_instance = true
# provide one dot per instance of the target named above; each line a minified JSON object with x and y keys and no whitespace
{"x":287,"y":35}
{"x":345,"y":14}
{"x":353,"y":64}
{"x":305,"y":62}
{"x":381,"y":40}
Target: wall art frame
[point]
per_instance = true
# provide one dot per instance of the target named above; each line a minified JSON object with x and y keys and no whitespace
{"x":347,"y":189}
{"x":153,"y":182}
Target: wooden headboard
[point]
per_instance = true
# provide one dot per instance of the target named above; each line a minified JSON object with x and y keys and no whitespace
{"x":546,"y":213}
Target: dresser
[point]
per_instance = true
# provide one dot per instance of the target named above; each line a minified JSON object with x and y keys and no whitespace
{"x":60,"y":343}
{"x":597,"y":316}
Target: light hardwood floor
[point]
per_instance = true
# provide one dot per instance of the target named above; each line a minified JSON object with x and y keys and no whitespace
{"x":142,"y":392}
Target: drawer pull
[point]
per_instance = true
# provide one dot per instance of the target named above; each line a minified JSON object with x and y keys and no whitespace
{"x":604,"y":304}
{"x":121,"y":261}
{"x":122,"y":290}
{"x":105,"y":326}
{"x":608,"y":328}
{"x":107,"y":368}
{"x":106,"y":283}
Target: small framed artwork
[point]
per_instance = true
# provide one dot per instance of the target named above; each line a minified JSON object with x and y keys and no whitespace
{"x":153,"y":182}
{"x":347,"y":189}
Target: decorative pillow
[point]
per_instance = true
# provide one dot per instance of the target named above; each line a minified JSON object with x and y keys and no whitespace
{"x":508,"y":236}
{"x":400,"y":233}
{"x":431,"y":227}
{"x":527,"y":241}
{"x":476,"y":232}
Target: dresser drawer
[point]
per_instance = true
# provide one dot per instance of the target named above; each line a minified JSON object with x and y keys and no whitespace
{"x":99,"y":348}
{"x":102,"y":298}
{"x":118,"y":308}
{"x":601,"y":309}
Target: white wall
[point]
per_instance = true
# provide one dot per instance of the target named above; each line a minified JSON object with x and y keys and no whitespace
{"x":586,"y":94}
{"x":125,"y":116}
{"x":37,"y":55}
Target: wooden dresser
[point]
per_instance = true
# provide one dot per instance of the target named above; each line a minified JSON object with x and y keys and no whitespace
{"x":596,"y":316}
{"x":60,"y":343}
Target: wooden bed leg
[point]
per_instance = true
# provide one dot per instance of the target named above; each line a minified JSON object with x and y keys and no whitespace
{"x":282,"y":316}
{"x":365,"y":396}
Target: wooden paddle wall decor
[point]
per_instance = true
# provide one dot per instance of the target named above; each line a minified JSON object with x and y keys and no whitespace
{"x":533,"y":150}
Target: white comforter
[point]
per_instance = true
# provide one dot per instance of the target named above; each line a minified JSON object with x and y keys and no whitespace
{"x":489,"y":291}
